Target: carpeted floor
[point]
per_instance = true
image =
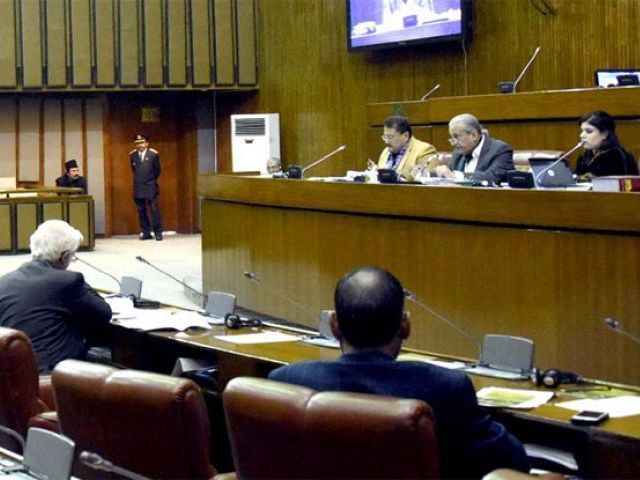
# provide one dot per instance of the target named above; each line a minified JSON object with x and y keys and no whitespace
{"x":179,"y":255}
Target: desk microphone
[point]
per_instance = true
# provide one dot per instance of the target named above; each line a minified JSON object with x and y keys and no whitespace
{"x":618,"y":328}
{"x":320,"y":160}
{"x":98,"y":270}
{"x":428,"y":94}
{"x":551,"y":173}
{"x":298,"y":172}
{"x":409,"y":295}
{"x":252,"y":276}
{"x":189,"y":287}
{"x":97,"y":462}
{"x":511,"y":87}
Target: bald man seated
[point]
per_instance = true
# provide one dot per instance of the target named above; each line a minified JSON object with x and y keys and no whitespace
{"x":371,"y":324}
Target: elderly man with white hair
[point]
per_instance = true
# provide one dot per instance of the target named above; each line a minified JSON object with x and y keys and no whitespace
{"x":53,"y":306}
{"x":476,"y":155}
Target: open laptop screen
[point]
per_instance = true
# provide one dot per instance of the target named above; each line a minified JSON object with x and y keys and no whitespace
{"x":558,"y":176}
{"x":616,"y":78}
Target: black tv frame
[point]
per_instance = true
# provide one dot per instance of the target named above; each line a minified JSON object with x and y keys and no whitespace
{"x":466,"y":21}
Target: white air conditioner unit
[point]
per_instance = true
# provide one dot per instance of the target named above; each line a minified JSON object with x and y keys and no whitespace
{"x":254,"y":139}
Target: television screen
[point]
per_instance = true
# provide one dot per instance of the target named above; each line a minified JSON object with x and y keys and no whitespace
{"x":375,"y":24}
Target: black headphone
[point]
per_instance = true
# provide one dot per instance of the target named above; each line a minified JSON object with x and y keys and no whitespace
{"x":232,"y":320}
{"x":553,"y":377}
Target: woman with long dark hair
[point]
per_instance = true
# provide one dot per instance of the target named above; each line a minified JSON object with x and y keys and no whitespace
{"x":603,"y":153}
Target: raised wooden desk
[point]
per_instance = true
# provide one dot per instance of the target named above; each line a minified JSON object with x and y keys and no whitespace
{"x":22,"y":210}
{"x":548,"y":265}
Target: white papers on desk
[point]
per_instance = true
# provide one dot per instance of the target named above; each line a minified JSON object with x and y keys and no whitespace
{"x":121,"y":307}
{"x":616,"y":407}
{"x":148,"y":320}
{"x":262,"y":337}
{"x":416,"y":357}
{"x":512,"y":397}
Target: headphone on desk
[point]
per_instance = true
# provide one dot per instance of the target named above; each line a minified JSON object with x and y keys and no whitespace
{"x":553,"y":377}
{"x":232,"y":320}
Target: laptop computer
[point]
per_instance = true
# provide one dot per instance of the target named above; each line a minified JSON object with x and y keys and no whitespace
{"x":549,"y":174}
{"x":616,"y":77}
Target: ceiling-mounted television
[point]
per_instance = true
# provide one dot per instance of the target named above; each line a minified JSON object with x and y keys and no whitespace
{"x":376,"y":24}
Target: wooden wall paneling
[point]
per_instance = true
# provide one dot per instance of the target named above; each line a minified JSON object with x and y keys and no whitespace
{"x":224,"y":42}
{"x":129,"y":43}
{"x":56,"y":43}
{"x":79,"y":216}
{"x":176,"y":33}
{"x":8,"y":135}
{"x":8,"y":60}
{"x":153,"y":43}
{"x":52,"y":140}
{"x":81,"y":61}
{"x":6,"y":227}
{"x":31,"y":43}
{"x":246,"y":42}
{"x":331,"y":85}
{"x":26,"y":223}
{"x":73,"y":130}
{"x":29,"y":140}
{"x":53,"y":211}
{"x":201,"y":41}
{"x":104,"y":36}
{"x":95,"y":172}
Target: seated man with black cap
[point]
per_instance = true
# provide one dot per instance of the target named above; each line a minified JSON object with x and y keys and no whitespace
{"x":72,"y":177}
{"x":371,"y":324}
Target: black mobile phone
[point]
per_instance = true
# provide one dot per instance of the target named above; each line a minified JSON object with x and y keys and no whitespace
{"x":587,"y":417}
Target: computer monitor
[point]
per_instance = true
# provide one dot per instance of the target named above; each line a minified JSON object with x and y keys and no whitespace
{"x":616,"y":78}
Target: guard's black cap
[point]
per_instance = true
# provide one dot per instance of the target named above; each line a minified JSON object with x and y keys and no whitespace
{"x":140,"y":137}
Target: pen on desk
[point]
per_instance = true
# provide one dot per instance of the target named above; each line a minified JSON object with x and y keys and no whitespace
{"x":583,"y":389}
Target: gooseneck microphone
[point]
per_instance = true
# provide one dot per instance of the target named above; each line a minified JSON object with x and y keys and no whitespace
{"x":97,"y":462}
{"x":409,"y":295}
{"x":185,"y":285}
{"x":320,"y":160}
{"x":98,"y":270}
{"x":549,"y":170}
{"x":253,"y":277}
{"x":526,"y":67}
{"x":617,"y":327}
{"x":429,"y":93}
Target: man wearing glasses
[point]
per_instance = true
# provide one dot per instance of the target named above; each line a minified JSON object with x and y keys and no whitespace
{"x":55,"y":307}
{"x":476,"y":155}
{"x":403,"y":152}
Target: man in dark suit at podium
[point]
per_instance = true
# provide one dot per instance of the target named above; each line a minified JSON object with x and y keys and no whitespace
{"x":371,"y":324}
{"x":477,"y":156}
{"x":145,"y":165}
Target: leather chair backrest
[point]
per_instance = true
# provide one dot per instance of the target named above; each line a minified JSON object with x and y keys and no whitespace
{"x":18,"y":384}
{"x":154,"y":425}
{"x":284,"y":431}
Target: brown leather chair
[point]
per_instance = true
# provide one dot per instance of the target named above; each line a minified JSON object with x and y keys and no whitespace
{"x":24,"y":396}
{"x":287,"y":431}
{"x":154,"y":425}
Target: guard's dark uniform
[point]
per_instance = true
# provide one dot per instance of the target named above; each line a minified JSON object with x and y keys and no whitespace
{"x":146,"y":171}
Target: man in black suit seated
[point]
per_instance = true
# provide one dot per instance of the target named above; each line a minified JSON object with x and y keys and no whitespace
{"x":477,"y":156}
{"x":54,"y":307}
{"x":371,"y":325}
{"x":72,"y":177}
